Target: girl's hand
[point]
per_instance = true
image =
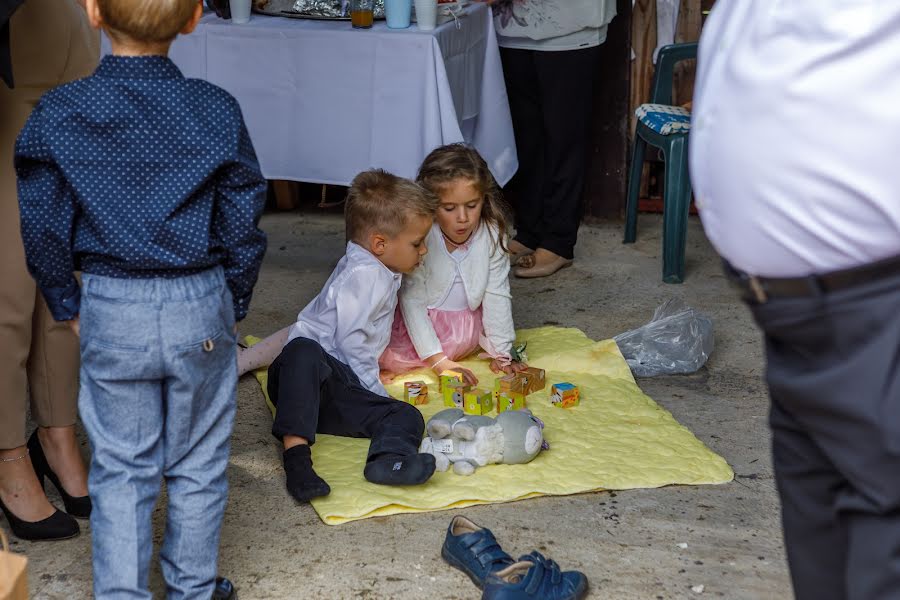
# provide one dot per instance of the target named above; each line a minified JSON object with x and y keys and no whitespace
{"x":513,"y":367}
{"x":448,"y":365}
{"x":440,"y":364}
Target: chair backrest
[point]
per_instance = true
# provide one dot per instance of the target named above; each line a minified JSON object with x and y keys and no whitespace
{"x":666,"y":59}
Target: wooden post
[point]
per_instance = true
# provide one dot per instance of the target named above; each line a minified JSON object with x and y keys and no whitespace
{"x":604,"y":190}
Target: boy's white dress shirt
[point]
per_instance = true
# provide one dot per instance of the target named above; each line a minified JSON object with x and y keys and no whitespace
{"x":794,"y":136}
{"x":351,"y":318}
{"x":484,"y":271}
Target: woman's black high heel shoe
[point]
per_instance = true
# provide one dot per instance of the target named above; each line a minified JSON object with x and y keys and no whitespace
{"x":58,"y":526}
{"x":77,"y":507}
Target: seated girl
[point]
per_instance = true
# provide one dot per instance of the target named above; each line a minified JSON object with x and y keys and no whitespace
{"x":458,"y":299}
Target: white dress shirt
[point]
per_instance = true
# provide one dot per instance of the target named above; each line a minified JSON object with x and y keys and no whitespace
{"x":351,"y":317}
{"x":796,"y":132}
{"x":485,"y":274}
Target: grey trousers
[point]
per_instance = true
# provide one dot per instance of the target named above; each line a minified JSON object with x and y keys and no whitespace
{"x":834,"y":378}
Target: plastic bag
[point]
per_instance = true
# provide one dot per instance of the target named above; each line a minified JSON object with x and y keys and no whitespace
{"x":677,"y":339}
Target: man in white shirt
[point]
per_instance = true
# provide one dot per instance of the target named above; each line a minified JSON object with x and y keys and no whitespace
{"x":326,"y":378}
{"x":794,"y":165}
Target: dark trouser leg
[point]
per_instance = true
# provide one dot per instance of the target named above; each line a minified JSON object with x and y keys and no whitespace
{"x":815,"y":538}
{"x":525,"y":107}
{"x":834,"y":375}
{"x":298,"y":378}
{"x":565,"y":83}
{"x":314,"y":392}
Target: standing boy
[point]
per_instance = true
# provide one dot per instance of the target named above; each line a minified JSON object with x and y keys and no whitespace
{"x":148,"y":183}
{"x":326,"y":379}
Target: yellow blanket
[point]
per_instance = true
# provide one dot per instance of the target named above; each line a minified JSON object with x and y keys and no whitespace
{"x":617,"y":438}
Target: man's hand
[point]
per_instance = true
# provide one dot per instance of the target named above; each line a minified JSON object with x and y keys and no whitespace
{"x":75,"y":325}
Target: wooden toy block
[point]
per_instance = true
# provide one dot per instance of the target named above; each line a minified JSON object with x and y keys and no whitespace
{"x":509,"y":393}
{"x":534,"y":379}
{"x":454,"y":394}
{"x":564,"y":395}
{"x":477,"y":401}
{"x":448,"y":377}
{"x":415,"y":392}
{"x":509,"y":401}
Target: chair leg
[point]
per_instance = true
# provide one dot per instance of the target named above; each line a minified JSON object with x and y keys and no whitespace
{"x":676,"y":204}
{"x":634,"y":189}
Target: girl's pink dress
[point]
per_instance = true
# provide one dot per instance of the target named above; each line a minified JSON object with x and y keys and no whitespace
{"x":459,"y":331}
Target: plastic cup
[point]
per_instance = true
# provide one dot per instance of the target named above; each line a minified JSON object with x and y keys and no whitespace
{"x":426,"y":14}
{"x":240,"y":11}
{"x":397,"y":13}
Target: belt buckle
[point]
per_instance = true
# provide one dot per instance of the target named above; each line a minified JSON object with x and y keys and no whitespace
{"x":756,"y":287}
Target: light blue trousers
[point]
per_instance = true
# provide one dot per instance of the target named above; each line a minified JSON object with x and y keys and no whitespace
{"x":157,"y":398}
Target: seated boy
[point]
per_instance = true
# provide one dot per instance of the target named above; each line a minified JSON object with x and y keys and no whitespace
{"x":148,"y":183}
{"x":326,"y":378}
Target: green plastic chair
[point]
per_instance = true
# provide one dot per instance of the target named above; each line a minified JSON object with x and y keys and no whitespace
{"x":674,"y":146}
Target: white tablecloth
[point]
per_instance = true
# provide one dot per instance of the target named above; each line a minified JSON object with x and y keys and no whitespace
{"x":323,"y":101}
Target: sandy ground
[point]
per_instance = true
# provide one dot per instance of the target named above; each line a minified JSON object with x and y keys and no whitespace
{"x":626,"y":542}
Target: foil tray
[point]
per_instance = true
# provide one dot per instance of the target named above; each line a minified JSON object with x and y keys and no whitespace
{"x":319,"y":10}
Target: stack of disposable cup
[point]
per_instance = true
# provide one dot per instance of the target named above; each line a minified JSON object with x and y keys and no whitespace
{"x":426,"y":14}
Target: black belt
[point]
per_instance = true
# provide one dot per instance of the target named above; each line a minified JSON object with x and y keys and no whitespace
{"x":759,"y":290}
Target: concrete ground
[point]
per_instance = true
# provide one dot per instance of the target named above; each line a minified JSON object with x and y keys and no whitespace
{"x":626,"y":542}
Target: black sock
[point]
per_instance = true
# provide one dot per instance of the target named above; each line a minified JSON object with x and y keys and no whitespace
{"x":302,"y":482}
{"x":400,"y":470}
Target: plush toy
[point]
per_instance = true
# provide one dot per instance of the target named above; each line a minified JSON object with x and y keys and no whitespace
{"x":469,"y":441}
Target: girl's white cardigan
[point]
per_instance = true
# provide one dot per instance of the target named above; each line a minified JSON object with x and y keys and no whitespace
{"x":485,"y":274}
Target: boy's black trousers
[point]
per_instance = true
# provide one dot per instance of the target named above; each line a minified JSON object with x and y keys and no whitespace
{"x":313,"y":392}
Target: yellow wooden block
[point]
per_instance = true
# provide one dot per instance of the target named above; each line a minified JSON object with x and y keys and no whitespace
{"x":477,"y":401}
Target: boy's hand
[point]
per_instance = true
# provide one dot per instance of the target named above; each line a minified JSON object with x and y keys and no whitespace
{"x":513,"y":367}
{"x":75,"y":325}
{"x":386,"y":377}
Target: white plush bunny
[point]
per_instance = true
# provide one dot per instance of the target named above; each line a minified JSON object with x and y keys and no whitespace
{"x":469,"y":441}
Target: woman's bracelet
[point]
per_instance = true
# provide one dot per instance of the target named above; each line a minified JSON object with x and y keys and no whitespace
{"x":437,"y":362}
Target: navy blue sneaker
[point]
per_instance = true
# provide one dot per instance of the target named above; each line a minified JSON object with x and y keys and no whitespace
{"x":224,"y":590}
{"x":535,"y":577}
{"x":473,"y":550}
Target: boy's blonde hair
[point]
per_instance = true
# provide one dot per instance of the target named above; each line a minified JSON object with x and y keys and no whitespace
{"x":379,"y":202}
{"x":151,"y":21}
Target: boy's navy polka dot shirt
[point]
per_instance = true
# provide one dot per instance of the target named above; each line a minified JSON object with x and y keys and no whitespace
{"x":137,"y":172}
